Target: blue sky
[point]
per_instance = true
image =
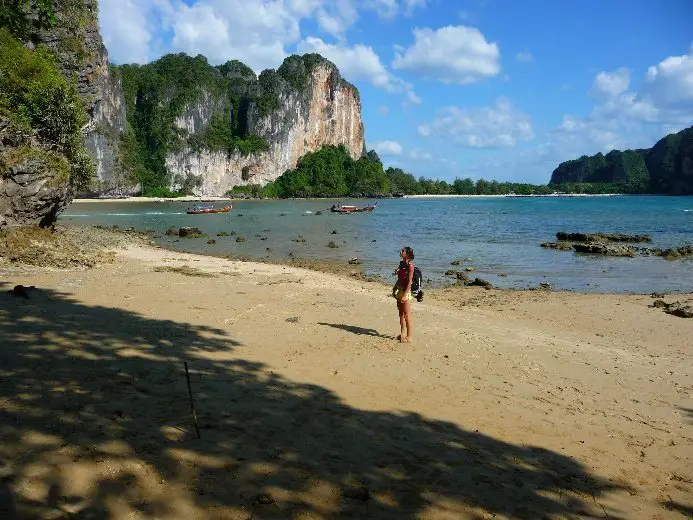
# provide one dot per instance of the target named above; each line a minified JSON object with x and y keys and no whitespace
{"x":499,"y":89}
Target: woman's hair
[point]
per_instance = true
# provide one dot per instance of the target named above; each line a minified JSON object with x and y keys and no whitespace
{"x":409,"y":252}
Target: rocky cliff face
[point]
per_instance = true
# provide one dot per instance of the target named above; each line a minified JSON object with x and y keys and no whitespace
{"x":40,"y":172}
{"x":234,"y":128}
{"x":102,"y":136}
{"x":328,"y":112}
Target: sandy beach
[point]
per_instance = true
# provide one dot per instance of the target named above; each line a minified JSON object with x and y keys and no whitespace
{"x":509,"y":404}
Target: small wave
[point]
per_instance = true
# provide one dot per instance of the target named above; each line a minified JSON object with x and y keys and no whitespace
{"x":688,"y":210}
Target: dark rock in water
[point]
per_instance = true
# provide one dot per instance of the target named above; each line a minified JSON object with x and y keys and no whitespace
{"x":450,"y":272}
{"x":266,"y":230}
{"x":222,"y":234}
{"x":282,"y":214}
{"x":679,"y":309}
{"x":334,"y":232}
{"x":239,"y":214}
{"x":318,"y":212}
{"x":233,"y":233}
{"x":597,"y":248}
{"x":240,"y":238}
{"x":562,"y":246}
{"x":355,"y":261}
{"x":374,"y":240}
{"x":172,"y":232}
{"x":503,"y":275}
{"x":263,"y":238}
{"x":190,"y":232}
{"x":461,"y":276}
{"x":545,"y":285}
{"x":602,"y":237}
{"x":332,"y":245}
{"x":299,"y":239}
{"x":469,"y":269}
{"x":480,"y":283}
{"x":674,"y":253}
{"x":456,"y":262}
{"x":211,"y":241}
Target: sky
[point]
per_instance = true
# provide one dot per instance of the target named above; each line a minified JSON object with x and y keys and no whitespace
{"x":494,"y":89}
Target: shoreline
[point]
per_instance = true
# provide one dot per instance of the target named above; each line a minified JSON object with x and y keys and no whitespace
{"x":213,"y":198}
{"x":304,"y":396}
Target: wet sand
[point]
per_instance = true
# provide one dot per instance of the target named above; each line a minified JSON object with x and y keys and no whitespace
{"x":509,"y":404}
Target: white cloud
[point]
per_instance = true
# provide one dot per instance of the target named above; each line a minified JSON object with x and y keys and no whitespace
{"x":336,"y":16}
{"x":359,"y":63}
{"x":670,"y":82}
{"x":125,"y":29}
{"x":611,"y":84}
{"x":497,"y":126}
{"x":419,"y":155}
{"x":411,"y":5}
{"x":383,"y":110}
{"x":451,"y":54}
{"x":387,"y":148}
{"x":257,"y":32}
{"x":524,"y":57}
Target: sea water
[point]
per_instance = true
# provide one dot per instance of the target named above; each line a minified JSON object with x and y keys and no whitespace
{"x":499,"y":237}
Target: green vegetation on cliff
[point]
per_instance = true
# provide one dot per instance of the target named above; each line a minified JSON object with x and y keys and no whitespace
{"x":44,"y":113}
{"x":665,"y":168}
{"x":158,"y":93}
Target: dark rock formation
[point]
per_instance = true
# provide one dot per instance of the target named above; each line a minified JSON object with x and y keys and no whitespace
{"x":599,"y":248}
{"x":680,"y":309}
{"x":601,"y":237}
{"x":190,"y":232}
{"x":480,"y":283}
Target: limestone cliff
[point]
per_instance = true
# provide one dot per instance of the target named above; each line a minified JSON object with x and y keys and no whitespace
{"x":328,"y":112}
{"x":42,"y":158}
{"x":228,"y":127}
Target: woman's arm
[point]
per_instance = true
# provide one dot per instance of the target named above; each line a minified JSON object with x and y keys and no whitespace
{"x":410,"y":278}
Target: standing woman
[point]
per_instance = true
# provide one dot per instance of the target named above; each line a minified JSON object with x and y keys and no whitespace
{"x":405,"y":275}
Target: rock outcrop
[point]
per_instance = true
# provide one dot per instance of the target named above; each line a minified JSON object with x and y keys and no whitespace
{"x":326,"y":112}
{"x":42,"y":162}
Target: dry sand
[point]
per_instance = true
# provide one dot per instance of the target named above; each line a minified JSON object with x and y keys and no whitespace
{"x":508,"y":404}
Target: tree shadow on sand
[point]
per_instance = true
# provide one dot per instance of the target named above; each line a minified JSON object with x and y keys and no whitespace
{"x":95,"y":423}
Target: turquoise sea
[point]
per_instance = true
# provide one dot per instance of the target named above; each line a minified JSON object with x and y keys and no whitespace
{"x":496,"y":235}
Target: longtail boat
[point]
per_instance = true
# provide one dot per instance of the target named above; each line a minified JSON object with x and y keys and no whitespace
{"x":204,"y":210}
{"x":352,"y":209}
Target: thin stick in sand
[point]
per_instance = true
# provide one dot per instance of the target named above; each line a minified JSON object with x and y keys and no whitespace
{"x":192,"y":404}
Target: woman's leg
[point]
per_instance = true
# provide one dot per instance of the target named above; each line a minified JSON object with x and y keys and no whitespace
{"x":402,"y":333}
{"x":408,"y":321}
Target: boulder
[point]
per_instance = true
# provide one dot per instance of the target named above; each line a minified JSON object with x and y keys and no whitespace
{"x":172,"y":232}
{"x":240,"y":238}
{"x":679,"y":309}
{"x":190,"y":232}
{"x":480,"y":283}
{"x":222,"y":234}
{"x":332,"y":245}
